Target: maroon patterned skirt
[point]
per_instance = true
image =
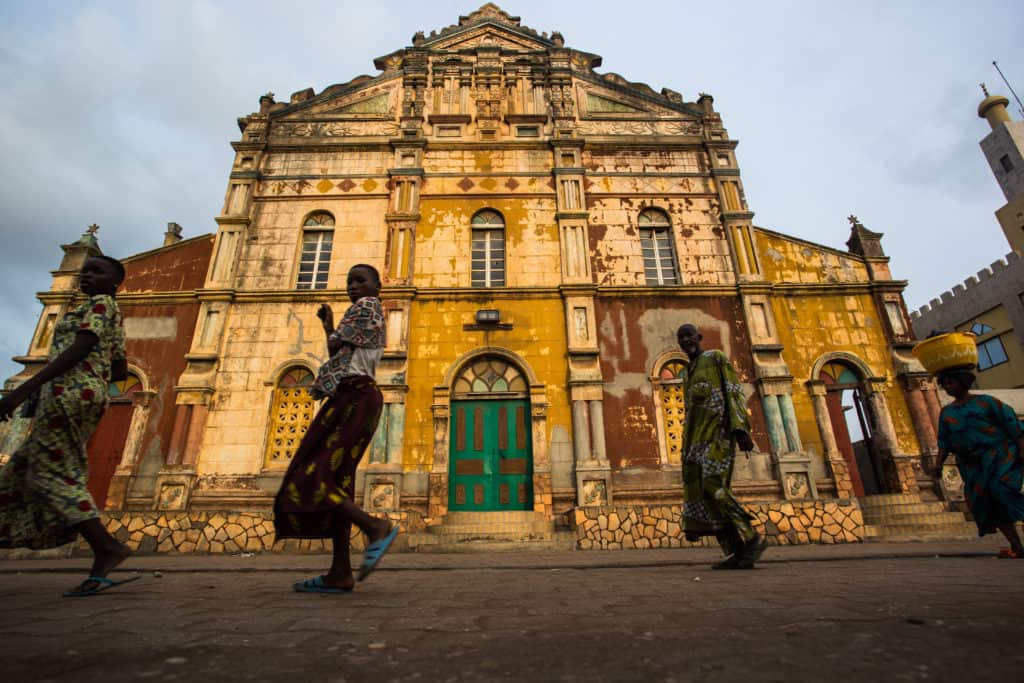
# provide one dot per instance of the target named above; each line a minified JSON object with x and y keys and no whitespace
{"x":323,"y":472}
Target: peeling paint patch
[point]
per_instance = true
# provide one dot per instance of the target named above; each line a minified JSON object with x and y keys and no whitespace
{"x":628,"y":381}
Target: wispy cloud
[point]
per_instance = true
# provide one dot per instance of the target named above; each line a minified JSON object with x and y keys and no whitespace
{"x":121,"y":113}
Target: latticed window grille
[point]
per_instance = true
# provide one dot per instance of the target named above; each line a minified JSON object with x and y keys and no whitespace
{"x":488,"y":262}
{"x":490,"y":375}
{"x":671,"y":379}
{"x":656,"y":244}
{"x":315,"y":260}
{"x":290,"y":415}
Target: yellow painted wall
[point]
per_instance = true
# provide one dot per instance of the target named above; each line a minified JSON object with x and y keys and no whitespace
{"x":443,"y":241}
{"x":811,"y":326}
{"x":789,"y":260}
{"x":537,"y":335}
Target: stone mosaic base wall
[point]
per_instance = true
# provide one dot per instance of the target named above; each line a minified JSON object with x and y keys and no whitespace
{"x":218,"y":532}
{"x":793,"y":523}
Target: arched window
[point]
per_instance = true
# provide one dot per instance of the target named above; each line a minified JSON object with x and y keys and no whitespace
{"x":671,"y":378}
{"x":837,"y":373}
{"x":979,"y":329}
{"x":315,"y":260}
{"x":490,"y":375}
{"x":488,"y":264}
{"x":123,"y":389}
{"x":656,"y":243}
{"x":290,"y":414}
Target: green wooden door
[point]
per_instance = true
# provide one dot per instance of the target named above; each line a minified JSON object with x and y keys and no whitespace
{"x":491,"y":464}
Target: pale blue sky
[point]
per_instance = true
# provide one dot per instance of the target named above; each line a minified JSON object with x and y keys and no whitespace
{"x":121,"y":113}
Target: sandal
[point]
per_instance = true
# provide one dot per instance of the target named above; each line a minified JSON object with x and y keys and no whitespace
{"x":102,"y":584}
{"x":374,"y":552}
{"x":1008,"y":554}
{"x":317,"y":585}
{"x":731,"y":562}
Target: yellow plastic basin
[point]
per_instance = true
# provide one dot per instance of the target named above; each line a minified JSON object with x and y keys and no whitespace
{"x":947,"y":351}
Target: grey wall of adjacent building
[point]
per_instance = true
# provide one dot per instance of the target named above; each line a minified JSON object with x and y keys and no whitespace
{"x":1000,"y":286}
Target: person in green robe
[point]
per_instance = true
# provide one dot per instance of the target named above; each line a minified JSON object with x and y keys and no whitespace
{"x":716,"y":422}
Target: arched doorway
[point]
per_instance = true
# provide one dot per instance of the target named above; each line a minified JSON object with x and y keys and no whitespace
{"x":490,"y":441}
{"x":854,"y":425}
{"x":107,"y":442}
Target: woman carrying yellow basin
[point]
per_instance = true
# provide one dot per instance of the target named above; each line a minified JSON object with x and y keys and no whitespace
{"x":984,"y":435}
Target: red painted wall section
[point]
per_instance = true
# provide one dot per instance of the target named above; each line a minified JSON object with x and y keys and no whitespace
{"x":159,"y":353}
{"x":633,"y":334}
{"x":162,"y":361}
{"x":179,"y":267}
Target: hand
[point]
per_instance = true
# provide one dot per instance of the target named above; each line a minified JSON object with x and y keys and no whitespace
{"x":7,"y":405}
{"x":326,"y":315}
{"x":744,"y":441}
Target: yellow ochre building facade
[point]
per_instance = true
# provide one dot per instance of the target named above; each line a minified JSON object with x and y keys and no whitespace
{"x":542,"y":229}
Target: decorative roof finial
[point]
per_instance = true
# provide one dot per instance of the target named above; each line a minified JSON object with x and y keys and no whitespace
{"x":854,"y":221}
{"x":88,"y":238}
{"x":984,"y":89}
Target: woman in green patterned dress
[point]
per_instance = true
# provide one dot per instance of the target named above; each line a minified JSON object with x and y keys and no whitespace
{"x":44,"y":502}
{"x":986,"y":437}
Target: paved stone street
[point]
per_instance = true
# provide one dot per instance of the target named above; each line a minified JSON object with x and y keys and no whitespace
{"x":860,"y":612}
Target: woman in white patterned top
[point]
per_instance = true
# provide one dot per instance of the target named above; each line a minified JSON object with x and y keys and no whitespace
{"x":316,"y":496}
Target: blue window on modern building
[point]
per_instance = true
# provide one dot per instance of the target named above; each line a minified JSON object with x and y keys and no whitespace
{"x":991,"y":353}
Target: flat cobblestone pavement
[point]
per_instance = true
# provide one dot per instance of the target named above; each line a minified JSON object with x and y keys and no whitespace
{"x":880,"y":612}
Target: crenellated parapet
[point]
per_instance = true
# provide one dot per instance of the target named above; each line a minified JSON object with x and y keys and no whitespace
{"x":988,"y":288}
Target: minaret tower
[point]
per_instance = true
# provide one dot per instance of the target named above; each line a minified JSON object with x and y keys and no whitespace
{"x":1004,"y":149}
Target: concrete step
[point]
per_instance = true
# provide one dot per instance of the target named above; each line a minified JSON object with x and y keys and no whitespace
{"x":490,"y":525}
{"x":503,"y":516}
{"x":467,"y":532}
{"x":922,"y":518}
{"x":887,"y":500}
{"x":920,"y":532}
{"x":907,"y":508}
{"x":431,"y":543}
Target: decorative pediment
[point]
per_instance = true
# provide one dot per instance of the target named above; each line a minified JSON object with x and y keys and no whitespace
{"x":595,"y":104}
{"x":489,"y":25}
{"x":488,"y":36}
{"x":629,"y":102}
{"x":489,"y":11}
{"x":489,"y":44}
{"x":377,"y":101}
{"x":379,"y":104}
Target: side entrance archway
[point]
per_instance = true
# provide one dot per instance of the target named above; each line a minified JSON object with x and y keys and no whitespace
{"x":490,"y":443}
{"x":854,"y":426}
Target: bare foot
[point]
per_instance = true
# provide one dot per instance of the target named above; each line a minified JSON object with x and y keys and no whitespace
{"x":103,"y":563}
{"x":107,"y":560}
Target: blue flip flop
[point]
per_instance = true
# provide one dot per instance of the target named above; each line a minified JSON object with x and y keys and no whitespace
{"x":317,"y":585}
{"x":374,"y":552}
{"x":102,"y":584}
